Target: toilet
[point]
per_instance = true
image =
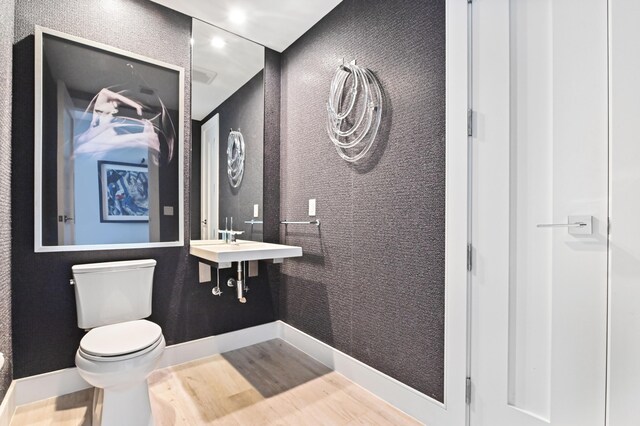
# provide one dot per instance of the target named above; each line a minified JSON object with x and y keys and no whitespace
{"x":121,"y":348}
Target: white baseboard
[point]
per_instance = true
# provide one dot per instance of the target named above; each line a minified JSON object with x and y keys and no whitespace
{"x":396,"y":393}
{"x":48,"y":385}
{"x":61,"y":382}
{"x":208,"y":346}
{"x":8,"y":405}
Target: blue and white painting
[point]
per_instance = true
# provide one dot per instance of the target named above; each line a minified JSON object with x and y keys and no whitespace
{"x":124,"y":192}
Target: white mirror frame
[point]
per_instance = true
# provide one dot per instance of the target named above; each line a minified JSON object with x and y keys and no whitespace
{"x":39,"y":248}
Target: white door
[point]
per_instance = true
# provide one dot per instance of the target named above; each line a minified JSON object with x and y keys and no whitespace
{"x":65,"y":169}
{"x":209,"y":179}
{"x":539,"y":157}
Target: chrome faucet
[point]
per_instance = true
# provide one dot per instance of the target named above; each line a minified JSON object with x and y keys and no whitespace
{"x":229,"y":235}
{"x":232,"y":235}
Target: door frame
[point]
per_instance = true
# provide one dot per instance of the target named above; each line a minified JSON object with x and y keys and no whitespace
{"x":454,"y":411}
{"x":209,"y":169}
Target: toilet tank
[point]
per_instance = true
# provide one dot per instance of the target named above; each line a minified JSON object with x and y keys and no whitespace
{"x":113,"y":292}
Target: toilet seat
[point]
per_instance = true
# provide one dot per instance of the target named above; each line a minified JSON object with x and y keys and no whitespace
{"x":116,"y":342}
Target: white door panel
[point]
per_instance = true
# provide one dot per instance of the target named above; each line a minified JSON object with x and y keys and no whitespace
{"x":209,"y":169}
{"x":65,"y":174}
{"x":539,"y":295}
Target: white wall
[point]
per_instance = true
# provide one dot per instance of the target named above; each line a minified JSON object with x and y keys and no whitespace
{"x":88,"y":228}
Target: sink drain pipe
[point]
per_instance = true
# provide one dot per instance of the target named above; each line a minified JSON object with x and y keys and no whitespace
{"x":240,"y":283}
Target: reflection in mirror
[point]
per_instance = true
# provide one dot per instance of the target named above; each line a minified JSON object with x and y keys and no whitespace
{"x":108,"y":146}
{"x":227,"y":131}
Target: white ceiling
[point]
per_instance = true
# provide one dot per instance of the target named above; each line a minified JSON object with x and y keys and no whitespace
{"x":233,"y":65}
{"x":275,"y":24}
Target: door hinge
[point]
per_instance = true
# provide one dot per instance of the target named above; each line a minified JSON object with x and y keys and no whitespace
{"x":469,"y":257}
{"x":467,"y":397}
{"x":469,"y":122}
{"x":469,"y":1}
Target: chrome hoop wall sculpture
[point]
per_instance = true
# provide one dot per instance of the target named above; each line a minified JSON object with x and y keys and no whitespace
{"x":235,"y":157}
{"x":354,"y":111}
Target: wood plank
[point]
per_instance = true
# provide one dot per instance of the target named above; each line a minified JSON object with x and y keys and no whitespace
{"x":271,"y":383}
{"x":71,"y":409}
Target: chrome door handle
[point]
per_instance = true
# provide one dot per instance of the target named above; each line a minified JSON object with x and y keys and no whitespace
{"x":562,"y":225}
{"x":577,"y":225}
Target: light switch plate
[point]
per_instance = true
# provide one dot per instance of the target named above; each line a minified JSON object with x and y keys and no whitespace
{"x":168,"y":210}
{"x":256,"y":210}
{"x":312,"y":207}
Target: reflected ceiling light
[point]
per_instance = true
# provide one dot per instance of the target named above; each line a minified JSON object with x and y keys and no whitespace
{"x":237,"y":16}
{"x":218,"y":42}
{"x":192,"y":41}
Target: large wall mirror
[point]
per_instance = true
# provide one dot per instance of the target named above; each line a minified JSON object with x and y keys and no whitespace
{"x":108,"y":147}
{"x":227,"y":134}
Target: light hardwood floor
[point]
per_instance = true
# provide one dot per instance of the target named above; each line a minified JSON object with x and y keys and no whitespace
{"x":271,"y":383}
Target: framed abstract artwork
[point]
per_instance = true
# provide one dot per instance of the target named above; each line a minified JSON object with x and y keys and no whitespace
{"x":124,"y":192}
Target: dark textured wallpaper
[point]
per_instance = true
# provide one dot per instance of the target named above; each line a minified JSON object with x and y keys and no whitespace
{"x":271,"y":190}
{"x":45,"y":332}
{"x":244,"y":110}
{"x":371,"y":281}
{"x":6,"y":53}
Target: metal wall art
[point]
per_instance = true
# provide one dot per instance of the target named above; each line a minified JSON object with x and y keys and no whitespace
{"x":235,"y":157}
{"x":354,"y":111}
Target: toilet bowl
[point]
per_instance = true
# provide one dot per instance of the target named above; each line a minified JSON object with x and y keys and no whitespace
{"x":117,"y":359}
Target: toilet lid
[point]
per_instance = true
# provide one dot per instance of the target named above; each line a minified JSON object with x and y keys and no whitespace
{"x":121,"y":338}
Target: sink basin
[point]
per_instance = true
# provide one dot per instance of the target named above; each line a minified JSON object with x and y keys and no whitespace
{"x":243,"y":246}
{"x":242,"y":250}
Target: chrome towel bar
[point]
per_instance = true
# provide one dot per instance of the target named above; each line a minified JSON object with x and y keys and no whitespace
{"x":291,"y":222}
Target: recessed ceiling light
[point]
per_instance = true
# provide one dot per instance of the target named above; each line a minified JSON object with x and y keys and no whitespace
{"x":192,"y":41}
{"x":218,"y":42}
{"x":237,"y":16}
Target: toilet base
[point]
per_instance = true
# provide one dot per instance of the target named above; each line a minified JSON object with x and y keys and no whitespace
{"x":122,"y":406}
